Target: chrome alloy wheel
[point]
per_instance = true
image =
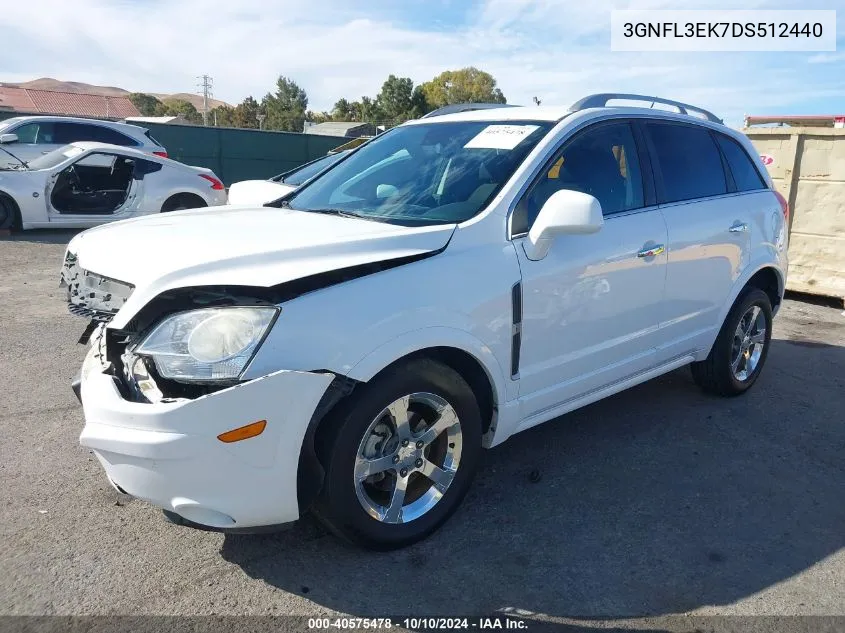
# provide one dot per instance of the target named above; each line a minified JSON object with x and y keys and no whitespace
{"x":748,"y":343}
{"x":408,"y":458}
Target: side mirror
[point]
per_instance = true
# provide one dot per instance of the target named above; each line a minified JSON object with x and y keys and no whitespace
{"x":564,"y":213}
{"x":8,"y":138}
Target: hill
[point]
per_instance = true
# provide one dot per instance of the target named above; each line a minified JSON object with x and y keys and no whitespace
{"x":56,"y":85}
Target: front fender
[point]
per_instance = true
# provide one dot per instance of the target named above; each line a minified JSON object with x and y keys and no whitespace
{"x":429,"y":337}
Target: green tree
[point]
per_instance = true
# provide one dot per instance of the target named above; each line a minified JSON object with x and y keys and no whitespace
{"x":467,"y":85}
{"x":285,"y":109}
{"x":342,"y":111}
{"x":246,"y":114}
{"x":176,"y":107}
{"x":222,"y":116}
{"x":317,"y":117}
{"x":395,"y":99}
{"x":146,"y":104}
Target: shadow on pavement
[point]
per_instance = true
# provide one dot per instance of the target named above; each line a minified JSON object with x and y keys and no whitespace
{"x":658,"y":500}
{"x":42,"y":236}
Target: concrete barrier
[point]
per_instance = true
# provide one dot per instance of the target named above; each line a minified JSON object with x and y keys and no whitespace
{"x":808,"y":168}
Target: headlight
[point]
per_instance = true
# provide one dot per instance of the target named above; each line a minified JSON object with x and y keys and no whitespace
{"x":210,"y":344}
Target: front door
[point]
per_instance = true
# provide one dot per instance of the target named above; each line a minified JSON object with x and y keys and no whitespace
{"x":591,"y":307}
{"x":97,"y":187}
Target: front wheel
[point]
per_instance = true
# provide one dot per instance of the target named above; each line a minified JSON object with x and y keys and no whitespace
{"x":741,"y":348}
{"x":400,"y":457}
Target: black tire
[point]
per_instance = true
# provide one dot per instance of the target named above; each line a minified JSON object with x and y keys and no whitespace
{"x":338,"y":440}
{"x":9,"y":214}
{"x":182,"y":201}
{"x":714,"y":374}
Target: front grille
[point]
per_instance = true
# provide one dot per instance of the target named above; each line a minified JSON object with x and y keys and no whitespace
{"x":99,"y":317}
{"x":91,"y":295}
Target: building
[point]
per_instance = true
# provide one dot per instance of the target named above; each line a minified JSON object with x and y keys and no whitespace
{"x":31,"y":101}
{"x":349,"y":129}
{"x":171,"y":120}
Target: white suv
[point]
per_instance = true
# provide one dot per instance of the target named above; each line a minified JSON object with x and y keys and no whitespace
{"x":28,"y":137}
{"x":353,"y":348}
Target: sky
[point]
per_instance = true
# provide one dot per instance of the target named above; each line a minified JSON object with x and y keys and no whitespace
{"x":556,"y":50}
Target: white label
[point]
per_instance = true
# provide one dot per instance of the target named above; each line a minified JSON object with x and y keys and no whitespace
{"x":723,"y":30}
{"x":500,"y":136}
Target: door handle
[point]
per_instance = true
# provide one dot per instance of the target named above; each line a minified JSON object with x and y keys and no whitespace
{"x":651,"y":251}
{"x":738,"y":227}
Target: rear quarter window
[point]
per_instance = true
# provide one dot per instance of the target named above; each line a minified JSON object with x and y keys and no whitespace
{"x":744,"y":172}
{"x":72,"y":132}
{"x":689,"y":162}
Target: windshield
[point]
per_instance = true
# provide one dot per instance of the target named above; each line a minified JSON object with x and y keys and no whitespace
{"x":56,"y":157}
{"x":431,"y":173}
{"x":7,"y":122}
{"x":297,"y":176}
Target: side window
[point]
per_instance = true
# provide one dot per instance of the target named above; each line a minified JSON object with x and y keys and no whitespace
{"x":39,"y":133}
{"x":689,"y":162}
{"x":108,"y":135}
{"x":745,"y":174}
{"x":601,"y":161}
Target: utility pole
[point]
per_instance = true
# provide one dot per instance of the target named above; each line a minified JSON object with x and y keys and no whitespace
{"x":205,"y":85}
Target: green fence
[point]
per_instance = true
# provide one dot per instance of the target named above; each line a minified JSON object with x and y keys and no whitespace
{"x":236,"y":154}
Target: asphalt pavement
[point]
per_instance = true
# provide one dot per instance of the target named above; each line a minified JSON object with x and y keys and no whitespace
{"x":660,"y":500}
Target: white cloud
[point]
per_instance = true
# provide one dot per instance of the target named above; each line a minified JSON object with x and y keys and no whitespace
{"x":557,"y":50}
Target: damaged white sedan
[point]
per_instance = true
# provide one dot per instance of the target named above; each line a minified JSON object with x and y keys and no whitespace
{"x":352,"y":348}
{"x":86,"y":184}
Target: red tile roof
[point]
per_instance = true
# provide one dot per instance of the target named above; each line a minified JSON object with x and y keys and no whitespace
{"x":30,"y":101}
{"x":16,"y":99}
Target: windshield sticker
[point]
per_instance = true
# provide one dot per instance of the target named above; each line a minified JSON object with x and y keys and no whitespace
{"x":500,"y":136}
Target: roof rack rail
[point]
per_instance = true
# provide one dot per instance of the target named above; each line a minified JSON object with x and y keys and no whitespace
{"x":600,"y":101}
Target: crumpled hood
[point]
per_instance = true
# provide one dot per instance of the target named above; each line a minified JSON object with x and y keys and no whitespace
{"x":241,"y":246}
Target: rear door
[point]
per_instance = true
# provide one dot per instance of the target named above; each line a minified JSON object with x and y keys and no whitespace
{"x":708,"y":224}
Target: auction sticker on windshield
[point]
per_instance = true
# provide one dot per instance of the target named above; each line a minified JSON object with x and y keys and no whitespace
{"x":500,"y":136}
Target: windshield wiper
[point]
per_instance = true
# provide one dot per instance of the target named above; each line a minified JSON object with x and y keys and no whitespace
{"x":22,"y":162}
{"x":343,"y":214}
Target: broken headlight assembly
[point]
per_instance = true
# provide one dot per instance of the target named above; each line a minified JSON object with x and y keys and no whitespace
{"x":209,"y":345}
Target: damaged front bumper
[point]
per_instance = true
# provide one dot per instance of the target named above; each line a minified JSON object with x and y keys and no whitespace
{"x":169,"y":454}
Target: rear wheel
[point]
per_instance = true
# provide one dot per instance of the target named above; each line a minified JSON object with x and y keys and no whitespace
{"x":740,"y":350}
{"x":182,"y":201}
{"x":9,"y":214}
{"x":400,"y":457}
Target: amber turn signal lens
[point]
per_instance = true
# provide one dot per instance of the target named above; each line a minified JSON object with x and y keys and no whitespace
{"x":243,"y":432}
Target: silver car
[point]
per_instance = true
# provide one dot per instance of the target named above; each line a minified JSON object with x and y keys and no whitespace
{"x":85,"y":184}
{"x":29,"y":137}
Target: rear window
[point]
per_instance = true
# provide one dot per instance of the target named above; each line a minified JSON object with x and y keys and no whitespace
{"x":689,"y":162}
{"x":745,"y":174}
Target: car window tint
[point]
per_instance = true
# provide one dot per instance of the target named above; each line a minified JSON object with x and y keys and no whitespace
{"x":745,"y":174}
{"x":689,"y":162}
{"x":73,"y":132}
{"x":39,"y":133}
{"x":299,"y":176}
{"x":602,"y":162}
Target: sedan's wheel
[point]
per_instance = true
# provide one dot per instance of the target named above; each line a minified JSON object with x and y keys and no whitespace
{"x":740,"y":350}
{"x":8,"y":212}
{"x":402,"y":458}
